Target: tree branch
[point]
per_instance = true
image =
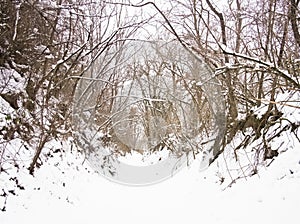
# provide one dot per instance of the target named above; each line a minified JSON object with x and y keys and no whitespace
{"x":293,"y":17}
{"x":266,"y":64}
{"x":222,"y":23}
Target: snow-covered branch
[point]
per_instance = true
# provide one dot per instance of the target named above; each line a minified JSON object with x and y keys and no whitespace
{"x":280,"y":72}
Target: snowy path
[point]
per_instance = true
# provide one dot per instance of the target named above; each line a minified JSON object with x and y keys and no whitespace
{"x":189,"y":197}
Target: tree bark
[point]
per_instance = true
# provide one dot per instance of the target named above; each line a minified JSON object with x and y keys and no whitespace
{"x":222,"y":23}
{"x":293,"y":18}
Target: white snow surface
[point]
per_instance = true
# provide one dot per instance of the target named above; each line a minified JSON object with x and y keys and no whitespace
{"x":66,"y":190}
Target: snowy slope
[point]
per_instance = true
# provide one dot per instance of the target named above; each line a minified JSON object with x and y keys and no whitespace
{"x":64,"y":190}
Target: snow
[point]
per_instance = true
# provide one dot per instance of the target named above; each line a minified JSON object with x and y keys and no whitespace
{"x":16,"y":20}
{"x":227,"y":50}
{"x":11,"y":81}
{"x":66,"y":191}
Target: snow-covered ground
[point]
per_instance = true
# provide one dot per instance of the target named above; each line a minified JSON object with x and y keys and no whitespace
{"x":66,"y":191}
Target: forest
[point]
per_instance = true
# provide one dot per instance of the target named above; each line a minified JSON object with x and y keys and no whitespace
{"x":162,"y":80}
